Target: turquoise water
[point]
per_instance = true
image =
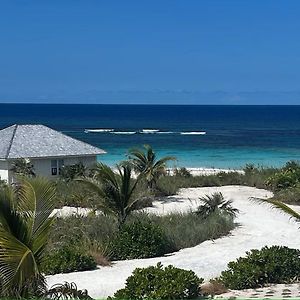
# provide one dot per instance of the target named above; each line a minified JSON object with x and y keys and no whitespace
{"x":216,"y":158}
{"x":235,"y":135}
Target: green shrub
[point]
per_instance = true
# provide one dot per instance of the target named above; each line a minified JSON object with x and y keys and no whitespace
{"x":274,"y":264}
{"x":283,"y":179}
{"x":70,"y":172}
{"x":288,"y":176}
{"x":66,"y":260}
{"x":140,"y":240}
{"x":183,"y":172}
{"x":160,"y":283}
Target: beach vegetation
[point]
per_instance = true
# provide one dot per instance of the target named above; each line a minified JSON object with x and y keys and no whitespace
{"x":287,"y":177}
{"x":146,"y":164}
{"x":182,"y":172}
{"x":68,"y":259}
{"x":289,"y":195}
{"x":216,"y":204}
{"x":188,"y":230}
{"x":276,"y":264}
{"x":25,"y":223}
{"x":98,"y":235}
{"x":65,"y":291}
{"x":23,"y":167}
{"x":70,"y":172}
{"x":76,"y":194}
{"x":90,"y":234}
{"x":115,"y":190}
{"x":274,"y":203}
{"x":141,"y":239}
{"x":158,"y":282}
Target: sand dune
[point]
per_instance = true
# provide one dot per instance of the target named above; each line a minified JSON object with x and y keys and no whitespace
{"x":259,"y":226}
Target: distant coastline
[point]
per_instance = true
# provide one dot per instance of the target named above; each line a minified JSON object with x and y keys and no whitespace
{"x":234,"y":135}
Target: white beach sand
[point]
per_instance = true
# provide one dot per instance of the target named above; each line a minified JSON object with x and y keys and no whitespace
{"x":208,"y":171}
{"x":259,"y":226}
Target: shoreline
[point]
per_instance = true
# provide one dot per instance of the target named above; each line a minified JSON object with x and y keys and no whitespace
{"x":207,"y":171}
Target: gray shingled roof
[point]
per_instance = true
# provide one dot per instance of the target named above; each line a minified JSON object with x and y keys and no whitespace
{"x":34,"y":141}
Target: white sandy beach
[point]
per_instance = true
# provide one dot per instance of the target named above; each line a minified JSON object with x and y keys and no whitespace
{"x":259,"y":226}
{"x":208,"y":171}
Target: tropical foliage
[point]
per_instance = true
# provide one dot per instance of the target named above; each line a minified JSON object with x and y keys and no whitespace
{"x":66,"y":291}
{"x":141,"y":239}
{"x":25,"y":223}
{"x":145,"y":162}
{"x":23,"y":167}
{"x":281,"y":206}
{"x":288,"y":176}
{"x":147,"y":234}
{"x":216,"y":204}
{"x":70,"y":172}
{"x":156,"y":282}
{"x":68,"y":259}
{"x":269,"y":265}
{"x":114,"y":189}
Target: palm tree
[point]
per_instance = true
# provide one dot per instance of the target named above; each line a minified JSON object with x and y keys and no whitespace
{"x":216,"y":204}
{"x":281,"y":206}
{"x":25,"y":223}
{"x":145,"y":162}
{"x":23,"y":166}
{"x":115,"y":190}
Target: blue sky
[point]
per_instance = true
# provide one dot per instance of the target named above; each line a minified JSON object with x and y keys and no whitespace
{"x":177,"y":51}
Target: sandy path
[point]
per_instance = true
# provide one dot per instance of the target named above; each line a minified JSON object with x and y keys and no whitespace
{"x":259,"y":226}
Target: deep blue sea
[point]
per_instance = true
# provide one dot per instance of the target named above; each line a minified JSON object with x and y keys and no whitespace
{"x":235,"y":135}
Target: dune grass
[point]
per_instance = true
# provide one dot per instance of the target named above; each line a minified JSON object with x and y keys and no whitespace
{"x":95,"y":234}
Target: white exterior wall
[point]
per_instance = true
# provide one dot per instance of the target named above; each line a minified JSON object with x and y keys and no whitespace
{"x":4,"y":170}
{"x":42,"y":167}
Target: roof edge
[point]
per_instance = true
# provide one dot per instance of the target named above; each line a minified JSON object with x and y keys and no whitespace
{"x":11,"y":141}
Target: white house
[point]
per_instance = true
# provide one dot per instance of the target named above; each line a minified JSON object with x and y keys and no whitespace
{"x":47,"y":149}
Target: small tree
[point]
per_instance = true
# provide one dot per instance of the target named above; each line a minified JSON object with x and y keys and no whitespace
{"x":70,"y":172}
{"x":23,"y":167}
{"x":216,"y":204}
{"x":115,"y":190}
{"x":145,"y":163}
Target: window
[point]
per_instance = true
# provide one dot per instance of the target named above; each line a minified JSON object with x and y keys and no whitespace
{"x":56,"y":165}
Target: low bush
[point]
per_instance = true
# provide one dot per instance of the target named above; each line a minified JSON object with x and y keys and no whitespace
{"x":140,"y":239}
{"x":288,"y":176}
{"x":274,"y":264}
{"x":160,"y":283}
{"x":70,"y":172}
{"x":66,"y":260}
{"x":182,"y":172}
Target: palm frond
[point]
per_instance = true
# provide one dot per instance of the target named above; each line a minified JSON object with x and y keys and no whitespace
{"x":24,"y":228}
{"x":281,"y":206}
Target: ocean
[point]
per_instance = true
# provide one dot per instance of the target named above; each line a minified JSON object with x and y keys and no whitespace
{"x":198,"y":136}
